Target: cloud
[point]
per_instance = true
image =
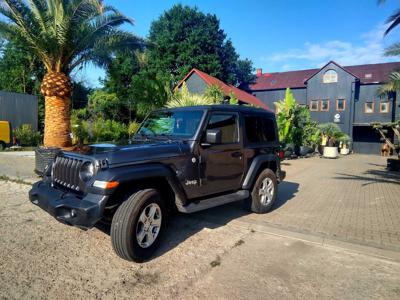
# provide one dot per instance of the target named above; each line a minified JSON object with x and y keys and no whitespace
{"x":370,"y":49}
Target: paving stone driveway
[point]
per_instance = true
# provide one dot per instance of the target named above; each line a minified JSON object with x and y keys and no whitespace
{"x":352,"y":199}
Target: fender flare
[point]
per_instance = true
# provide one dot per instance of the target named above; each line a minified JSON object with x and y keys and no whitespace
{"x":255,"y":166}
{"x":125,"y":174}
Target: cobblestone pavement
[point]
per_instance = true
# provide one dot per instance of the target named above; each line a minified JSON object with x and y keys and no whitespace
{"x":352,"y":199}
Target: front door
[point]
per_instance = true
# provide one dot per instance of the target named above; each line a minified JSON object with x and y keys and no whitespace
{"x":221,"y":168}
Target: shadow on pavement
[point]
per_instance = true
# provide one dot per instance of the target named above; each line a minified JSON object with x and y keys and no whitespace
{"x":183,"y":226}
{"x":287,"y":191}
{"x":372,"y":176}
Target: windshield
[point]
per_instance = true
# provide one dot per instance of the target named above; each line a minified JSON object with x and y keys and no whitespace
{"x":171,"y":123}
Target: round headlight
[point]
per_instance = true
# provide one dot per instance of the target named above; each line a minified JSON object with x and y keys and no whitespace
{"x":87,"y":171}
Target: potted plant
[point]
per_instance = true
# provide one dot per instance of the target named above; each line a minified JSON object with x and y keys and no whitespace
{"x":297,"y":131}
{"x":311,"y":137}
{"x":344,"y":145}
{"x":330,"y":135}
{"x":393,"y":164}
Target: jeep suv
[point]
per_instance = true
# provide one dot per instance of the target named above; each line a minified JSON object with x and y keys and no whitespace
{"x":188,"y":159}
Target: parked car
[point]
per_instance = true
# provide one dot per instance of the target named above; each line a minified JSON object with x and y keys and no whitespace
{"x":188,"y":159}
{"x":5,"y":134}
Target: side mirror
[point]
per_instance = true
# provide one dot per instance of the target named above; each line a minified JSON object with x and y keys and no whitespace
{"x":213,"y":136}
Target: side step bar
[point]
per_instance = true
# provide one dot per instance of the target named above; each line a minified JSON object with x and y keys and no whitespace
{"x":213,"y":202}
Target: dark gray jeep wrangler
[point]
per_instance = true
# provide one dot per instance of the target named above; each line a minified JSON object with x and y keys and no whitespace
{"x":188,"y":159}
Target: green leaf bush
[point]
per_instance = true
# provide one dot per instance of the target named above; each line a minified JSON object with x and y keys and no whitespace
{"x":295,"y":125}
{"x":26,"y":136}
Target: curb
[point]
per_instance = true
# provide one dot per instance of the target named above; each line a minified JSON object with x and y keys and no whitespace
{"x":322,"y":241}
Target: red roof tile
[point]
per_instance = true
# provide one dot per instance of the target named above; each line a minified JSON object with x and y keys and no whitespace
{"x":226,"y":88}
{"x":296,"y":79}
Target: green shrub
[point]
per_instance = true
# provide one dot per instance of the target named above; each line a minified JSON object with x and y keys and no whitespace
{"x":332,"y":133}
{"x":295,"y":125}
{"x":107,"y":131}
{"x":26,"y":136}
{"x":80,"y":130}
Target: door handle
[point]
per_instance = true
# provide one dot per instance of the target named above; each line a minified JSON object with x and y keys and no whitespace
{"x":237,"y":154}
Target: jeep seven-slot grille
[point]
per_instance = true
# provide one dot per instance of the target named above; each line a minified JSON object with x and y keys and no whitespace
{"x":66,"y":173}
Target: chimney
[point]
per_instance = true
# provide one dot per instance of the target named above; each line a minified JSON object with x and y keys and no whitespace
{"x":259,"y":72}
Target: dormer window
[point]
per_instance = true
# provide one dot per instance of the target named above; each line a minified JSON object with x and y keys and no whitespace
{"x":330,"y":76}
{"x":369,"y":75}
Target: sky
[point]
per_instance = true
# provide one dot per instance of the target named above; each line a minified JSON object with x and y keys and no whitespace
{"x":283,"y":35}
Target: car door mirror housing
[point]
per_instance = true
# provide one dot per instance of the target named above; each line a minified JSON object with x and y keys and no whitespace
{"x":213,"y":136}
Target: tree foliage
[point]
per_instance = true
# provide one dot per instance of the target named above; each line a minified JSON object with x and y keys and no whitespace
{"x":106,"y":105}
{"x":20,"y":71}
{"x":184,"y":38}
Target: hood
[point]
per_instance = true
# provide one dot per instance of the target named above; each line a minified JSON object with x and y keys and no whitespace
{"x":136,"y":151}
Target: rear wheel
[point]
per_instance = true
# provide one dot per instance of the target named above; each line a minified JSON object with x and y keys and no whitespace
{"x":2,"y":146}
{"x":264,"y":192}
{"x":138,"y":224}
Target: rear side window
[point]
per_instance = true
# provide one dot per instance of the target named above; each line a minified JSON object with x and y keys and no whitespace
{"x":259,"y":129}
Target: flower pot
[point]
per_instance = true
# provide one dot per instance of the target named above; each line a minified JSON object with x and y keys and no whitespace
{"x":304,"y":150}
{"x":344,"y":151}
{"x":44,"y":156}
{"x":331,"y":152}
{"x":393,"y":164}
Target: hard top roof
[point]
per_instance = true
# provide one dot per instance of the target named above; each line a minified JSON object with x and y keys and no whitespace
{"x":224,"y":107}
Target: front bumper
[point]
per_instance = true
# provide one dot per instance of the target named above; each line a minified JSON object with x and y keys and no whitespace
{"x":66,"y":207}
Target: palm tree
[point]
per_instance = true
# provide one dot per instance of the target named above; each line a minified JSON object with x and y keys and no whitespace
{"x":393,"y":84}
{"x":64,"y":35}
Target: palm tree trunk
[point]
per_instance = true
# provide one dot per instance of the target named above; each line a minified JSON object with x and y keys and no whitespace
{"x":57,"y":89}
{"x":57,"y":122}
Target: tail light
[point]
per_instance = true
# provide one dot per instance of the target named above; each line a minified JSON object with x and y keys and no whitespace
{"x":281,"y":154}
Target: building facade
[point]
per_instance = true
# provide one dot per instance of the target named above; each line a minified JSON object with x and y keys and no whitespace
{"x":347,"y":96}
{"x":19,"y":109}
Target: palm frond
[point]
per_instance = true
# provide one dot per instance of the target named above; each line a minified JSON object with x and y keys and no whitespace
{"x":66,"y":33}
{"x":394,"y":21}
{"x":393,"y":84}
{"x":393,"y":50}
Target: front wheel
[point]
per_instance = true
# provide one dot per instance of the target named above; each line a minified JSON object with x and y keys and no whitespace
{"x":138,"y":224}
{"x":264,"y":192}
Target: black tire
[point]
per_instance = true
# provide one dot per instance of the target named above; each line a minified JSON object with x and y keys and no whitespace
{"x":125,"y":225}
{"x":2,"y":146}
{"x":257,"y":205}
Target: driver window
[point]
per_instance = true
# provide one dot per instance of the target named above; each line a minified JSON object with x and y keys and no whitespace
{"x":227,"y":123}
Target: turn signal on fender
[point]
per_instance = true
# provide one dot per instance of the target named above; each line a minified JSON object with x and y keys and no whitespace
{"x":106,"y":185}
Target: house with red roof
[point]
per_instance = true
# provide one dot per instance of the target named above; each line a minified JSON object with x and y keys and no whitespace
{"x":198,"y":81}
{"x":345,"y":95}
